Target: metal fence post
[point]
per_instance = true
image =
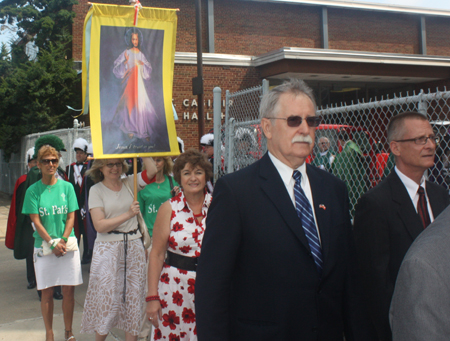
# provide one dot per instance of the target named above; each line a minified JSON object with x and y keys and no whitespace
{"x":265,"y":86}
{"x":230,"y":163}
{"x":217,"y":106}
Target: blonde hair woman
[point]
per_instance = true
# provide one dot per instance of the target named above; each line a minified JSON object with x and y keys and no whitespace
{"x":51,"y":204}
{"x":117,"y":280}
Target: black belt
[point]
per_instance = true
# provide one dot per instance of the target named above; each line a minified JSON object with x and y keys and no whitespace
{"x":125,"y":246}
{"x":181,"y":262}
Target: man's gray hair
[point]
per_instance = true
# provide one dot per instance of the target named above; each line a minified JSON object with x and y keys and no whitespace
{"x":293,"y":86}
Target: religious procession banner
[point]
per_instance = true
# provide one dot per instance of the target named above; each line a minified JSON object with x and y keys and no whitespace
{"x":128,"y":63}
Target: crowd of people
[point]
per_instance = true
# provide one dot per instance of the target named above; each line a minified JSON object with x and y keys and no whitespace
{"x":268,"y":253}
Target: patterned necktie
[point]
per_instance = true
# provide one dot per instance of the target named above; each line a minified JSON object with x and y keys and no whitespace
{"x":422,"y":208}
{"x":304,"y":212}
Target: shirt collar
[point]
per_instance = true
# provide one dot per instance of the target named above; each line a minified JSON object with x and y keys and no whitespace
{"x":285,"y":171}
{"x":411,"y":185}
{"x":182,"y":204}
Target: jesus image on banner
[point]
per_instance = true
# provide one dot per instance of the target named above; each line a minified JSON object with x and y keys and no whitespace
{"x":133,"y":117}
{"x":135,"y":108}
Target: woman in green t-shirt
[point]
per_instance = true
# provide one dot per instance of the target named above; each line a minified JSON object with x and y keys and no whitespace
{"x":51,"y":204}
{"x":161,"y":189}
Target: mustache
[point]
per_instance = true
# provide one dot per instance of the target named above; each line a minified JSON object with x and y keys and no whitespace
{"x":301,"y":138}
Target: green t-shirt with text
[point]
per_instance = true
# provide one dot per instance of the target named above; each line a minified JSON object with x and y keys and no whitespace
{"x":151,"y":198}
{"x":52,"y":203}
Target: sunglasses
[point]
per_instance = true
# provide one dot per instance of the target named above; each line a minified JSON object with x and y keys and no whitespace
{"x":49,"y":161}
{"x":117,"y":164}
{"x":295,"y":121}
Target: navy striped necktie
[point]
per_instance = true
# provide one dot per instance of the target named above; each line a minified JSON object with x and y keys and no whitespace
{"x":422,"y":208}
{"x":305,"y":213}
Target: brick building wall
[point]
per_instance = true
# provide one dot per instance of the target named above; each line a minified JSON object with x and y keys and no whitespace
{"x":438,"y":37}
{"x":373,"y":31}
{"x":254,"y":28}
{"x":232,"y":79}
{"x":251,"y":28}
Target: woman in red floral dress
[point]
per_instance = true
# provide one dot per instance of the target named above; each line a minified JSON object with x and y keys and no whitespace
{"x":178,"y":230}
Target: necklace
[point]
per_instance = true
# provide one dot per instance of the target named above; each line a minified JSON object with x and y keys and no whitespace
{"x":198,"y":215}
{"x":49,"y":187}
{"x":159,"y":183}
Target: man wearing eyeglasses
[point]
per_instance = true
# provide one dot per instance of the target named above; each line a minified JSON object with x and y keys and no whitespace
{"x":390,"y":216}
{"x":277,"y":259}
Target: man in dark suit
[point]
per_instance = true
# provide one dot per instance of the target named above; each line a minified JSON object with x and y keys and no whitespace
{"x":278,"y":259}
{"x":75,"y":173}
{"x":390,"y":216}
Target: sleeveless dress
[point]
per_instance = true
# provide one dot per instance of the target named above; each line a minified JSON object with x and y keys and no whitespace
{"x":176,"y":287}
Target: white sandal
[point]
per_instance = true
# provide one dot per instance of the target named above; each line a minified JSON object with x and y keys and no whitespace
{"x":70,"y":338}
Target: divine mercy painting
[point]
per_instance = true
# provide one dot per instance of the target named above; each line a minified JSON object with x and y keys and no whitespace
{"x":131,"y":91}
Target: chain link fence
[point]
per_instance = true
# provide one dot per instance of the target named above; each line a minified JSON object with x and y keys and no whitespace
{"x":351,"y":142}
{"x":241,"y":140}
{"x":17,"y":165}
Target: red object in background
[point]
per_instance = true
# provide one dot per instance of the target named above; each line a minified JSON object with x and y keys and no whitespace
{"x":381,"y":162}
{"x":12,"y":217}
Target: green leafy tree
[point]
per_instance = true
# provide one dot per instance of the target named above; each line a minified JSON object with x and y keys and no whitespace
{"x":34,"y":93}
{"x":40,"y":21}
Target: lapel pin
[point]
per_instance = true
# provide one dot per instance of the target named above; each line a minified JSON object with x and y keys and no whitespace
{"x":322,"y":206}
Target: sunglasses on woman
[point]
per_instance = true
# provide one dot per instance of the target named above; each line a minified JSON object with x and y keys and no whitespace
{"x":49,"y":161}
{"x":295,"y":121}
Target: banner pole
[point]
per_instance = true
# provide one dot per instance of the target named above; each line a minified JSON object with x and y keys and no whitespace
{"x":135,"y":177}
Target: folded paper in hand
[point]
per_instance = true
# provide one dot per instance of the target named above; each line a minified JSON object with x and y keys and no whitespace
{"x":71,"y":245}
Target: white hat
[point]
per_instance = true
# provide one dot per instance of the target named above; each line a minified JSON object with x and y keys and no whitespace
{"x":180,"y":144}
{"x":207,"y":140}
{"x":80,"y":143}
{"x":30,"y":154}
{"x":90,"y":149}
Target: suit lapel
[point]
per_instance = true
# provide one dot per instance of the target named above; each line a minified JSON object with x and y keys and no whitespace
{"x":405,"y":207}
{"x":273,"y":186}
{"x":436,"y":202}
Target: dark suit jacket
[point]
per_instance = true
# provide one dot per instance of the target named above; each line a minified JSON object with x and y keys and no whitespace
{"x":71,"y":175}
{"x":256,"y":278}
{"x":386,"y":223}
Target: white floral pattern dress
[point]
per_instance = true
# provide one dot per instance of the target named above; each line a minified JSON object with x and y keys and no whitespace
{"x":176,"y":287}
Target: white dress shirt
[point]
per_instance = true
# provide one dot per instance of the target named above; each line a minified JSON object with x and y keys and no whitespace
{"x":412,"y":187}
{"x":286,"y":175}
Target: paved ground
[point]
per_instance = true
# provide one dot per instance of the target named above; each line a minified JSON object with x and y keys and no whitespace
{"x":20,"y":313}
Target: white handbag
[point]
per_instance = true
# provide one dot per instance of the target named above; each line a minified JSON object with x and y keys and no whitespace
{"x":71,"y":245}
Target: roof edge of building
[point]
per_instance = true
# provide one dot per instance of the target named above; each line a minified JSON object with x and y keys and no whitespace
{"x":365,"y":6}
{"x":218,"y":59}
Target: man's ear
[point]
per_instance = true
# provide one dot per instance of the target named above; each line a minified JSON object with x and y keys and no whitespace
{"x":266,"y":126}
{"x":395,"y":148}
